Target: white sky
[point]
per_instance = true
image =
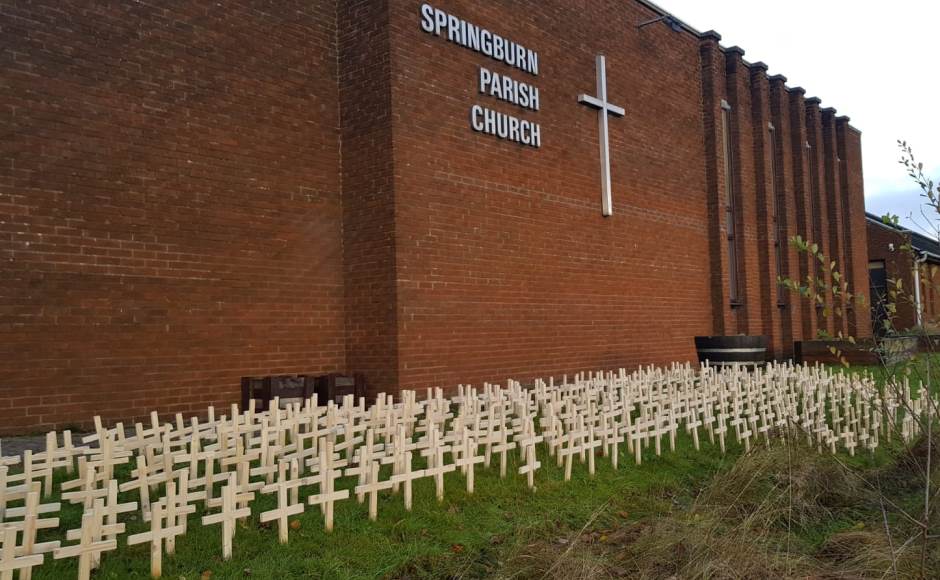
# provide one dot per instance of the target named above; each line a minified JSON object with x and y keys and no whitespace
{"x":873,"y":61}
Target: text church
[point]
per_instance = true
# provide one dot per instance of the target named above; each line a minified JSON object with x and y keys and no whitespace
{"x":425,"y":194}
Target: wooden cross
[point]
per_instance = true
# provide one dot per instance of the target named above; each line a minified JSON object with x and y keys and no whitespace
{"x":286,"y":505}
{"x":531,"y":464}
{"x":156,"y":536}
{"x":112,"y":509}
{"x":184,"y":496}
{"x":30,"y":524}
{"x":89,"y":549}
{"x":406,"y":476}
{"x":327,"y":480}
{"x":503,"y":446}
{"x":527,"y":443}
{"x":141,"y":483}
{"x":177,"y":509}
{"x":10,"y":563}
{"x":468,"y":459}
{"x":208,"y":481}
{"x":228,"y":515}
{"x":436,"y":467}
{"x":372,"y":488}
{"x":90,"y":491}
{"x":722,"y":429}
{"x":574,"y":445}
{"x":35,"y":467}
{"x":105,"y":458}
{"x":692,"y":427}
{"x":27,"y":510}
{"x":364,"y":467}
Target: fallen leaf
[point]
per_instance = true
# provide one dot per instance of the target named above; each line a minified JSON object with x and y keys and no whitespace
{"x":456,"y":548}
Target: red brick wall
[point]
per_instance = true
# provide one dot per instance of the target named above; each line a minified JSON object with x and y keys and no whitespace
{"x":170,"y":214}
{"x":898,"y":267}
{"x":194,"y":194}
{"x":506,"y":265}
{"x":369,"y":222}
{"x":853,"y":196}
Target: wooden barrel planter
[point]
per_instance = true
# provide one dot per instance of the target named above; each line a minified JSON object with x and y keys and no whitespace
{"x":732,"y":350}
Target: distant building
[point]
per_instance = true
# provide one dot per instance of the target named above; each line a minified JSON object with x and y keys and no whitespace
{"x":918,"y":302}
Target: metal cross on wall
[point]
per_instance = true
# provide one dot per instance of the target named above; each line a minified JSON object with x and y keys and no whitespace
{"x":603,"y":109}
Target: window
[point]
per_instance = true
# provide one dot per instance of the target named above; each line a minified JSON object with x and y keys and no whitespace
{"x":779,"y":229}
{"x":734,"y":291}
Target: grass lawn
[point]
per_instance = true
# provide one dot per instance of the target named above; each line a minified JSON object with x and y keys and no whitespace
{"x":463,"y":536}
{"x":507,"y":530}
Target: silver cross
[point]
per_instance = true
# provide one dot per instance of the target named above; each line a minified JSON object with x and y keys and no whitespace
{"x":603,"y":109}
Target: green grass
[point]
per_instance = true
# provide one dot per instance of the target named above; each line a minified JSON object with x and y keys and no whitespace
{"x":467,"y":536}
{"x":462,"y":535}
{"x":918,"y":370}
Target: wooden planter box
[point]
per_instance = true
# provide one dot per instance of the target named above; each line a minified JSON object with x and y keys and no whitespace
{"x":334,"y":387}
{"x":889,"y":351}
{"x":264,"y":389}
{"x":731,"y":350}
{"x":817,"y":351}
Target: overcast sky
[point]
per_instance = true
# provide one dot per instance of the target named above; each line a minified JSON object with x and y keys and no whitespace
{"x":873,"y":61}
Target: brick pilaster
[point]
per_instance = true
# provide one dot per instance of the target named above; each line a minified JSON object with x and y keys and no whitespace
{"x":369,"y":254}
{"x":856,"y":234}
{"x":764,"y":180}
{"x":790,"y":308}
{"x":746,"y":313}
{"x":834,"y":210}
{"x":819,"y":210}
{"x":799,"y":147}
{"x":713,"y":75}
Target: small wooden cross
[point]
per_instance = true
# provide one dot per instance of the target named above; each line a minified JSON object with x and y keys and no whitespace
{"x":372,"y":488}
{"x":31,"y":524}
{"x":436,"y":467}
{"x":90,"y":491}
{"x":406,"y":476}
{"x":531,"y":464}
{"x":10,"y":563}
{"x":88,"y":550}
{"x":574,"y":445}
{"x":228,"y":515}
{"x":112,"y":509}
{"x":286,"y":505}
{"x":181,"y":506}
{"x":503,"y":446}
{"x":468,"y":459}
{"x":141,"y":483}
{"x":156,"y":536}
{"x":692,"y":426}
{"x":327,"y":480}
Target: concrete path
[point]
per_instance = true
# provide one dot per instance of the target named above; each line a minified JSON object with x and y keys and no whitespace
{"x":17,"y":445}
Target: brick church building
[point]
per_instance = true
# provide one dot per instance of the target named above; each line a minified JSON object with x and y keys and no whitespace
{"x":435,"y":194}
